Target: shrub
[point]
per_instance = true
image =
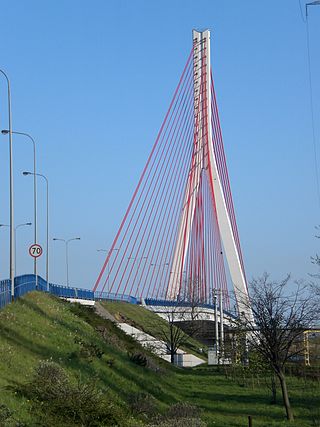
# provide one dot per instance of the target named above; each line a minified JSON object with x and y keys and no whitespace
{"x":183,"y":410}
{"x":181,"y":414}
{"x":5,"y":413}
{"x":110,"y":362}
{"x":142,"y":404}
{"x":57,"y":401}
{"x":49,"y":382}
{"x":180,"y":422}
{"x":88,"y":350}
{"x":138,"y":358}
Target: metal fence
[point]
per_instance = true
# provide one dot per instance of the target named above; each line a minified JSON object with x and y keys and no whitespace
{"x":27,"y":283}
{"x":5,"y":293}
{"x":174,"y":303}
{"x":115,"y":297}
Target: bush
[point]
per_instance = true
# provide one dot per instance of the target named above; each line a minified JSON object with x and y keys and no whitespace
{"x":110,"y":362}
{"x":5,"y":413}
{"x":180,"y":422}
{"x":181,"y":414}
{"x":88,"y":350}
{"x":50,"y":382}
{"x":138,"y":358}
{"x":57,"y":401}
{"x":183,"y":410}
{"x":7,"y":418}
{"x":142,"y":404}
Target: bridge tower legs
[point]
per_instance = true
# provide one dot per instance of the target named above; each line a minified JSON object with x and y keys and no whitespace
{"x":204,"y":161}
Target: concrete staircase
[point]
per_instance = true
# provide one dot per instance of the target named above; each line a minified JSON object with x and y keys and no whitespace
{"x":157,"y":347}
{"x":160,"y":348}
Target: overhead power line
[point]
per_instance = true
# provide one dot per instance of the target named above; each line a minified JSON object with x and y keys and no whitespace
{"x":314,"y":3}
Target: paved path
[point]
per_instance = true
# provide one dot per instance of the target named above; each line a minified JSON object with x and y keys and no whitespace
{"x":102,"y":312}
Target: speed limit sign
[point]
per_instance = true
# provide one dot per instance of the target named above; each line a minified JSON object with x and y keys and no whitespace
{"x":35,"y":250}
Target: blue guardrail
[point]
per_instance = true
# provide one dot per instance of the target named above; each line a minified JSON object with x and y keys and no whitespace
{"x":27,"y":283}
{"x":5,"y":294}
{"x":171,"y":303}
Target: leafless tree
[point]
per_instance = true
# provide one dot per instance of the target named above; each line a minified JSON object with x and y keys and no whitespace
{"x":183,"y":318}
{"x":280,"y":315}
{"x":316,"y":261}
{"x":170,"y":332}
{"x":194,"y":310}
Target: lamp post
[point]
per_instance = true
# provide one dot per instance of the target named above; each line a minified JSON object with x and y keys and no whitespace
{"x":15,"y":240}
{"x":47,"y":243}
{"x":108,"y":251}
{"x":221,"y":323}
{"x":67,"y":256}
{"x":11,"y":222}
{"x":216,"y":326}
{"x":5,"y":132}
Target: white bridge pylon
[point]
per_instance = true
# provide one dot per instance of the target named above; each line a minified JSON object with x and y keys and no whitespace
{"x":204,"y":161}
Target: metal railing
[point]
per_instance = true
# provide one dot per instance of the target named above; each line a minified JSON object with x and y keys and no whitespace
{"x":173,"y":303}
{"x":5,"y":293}
{"x":115,"y":297}
{"x":27,"y":283}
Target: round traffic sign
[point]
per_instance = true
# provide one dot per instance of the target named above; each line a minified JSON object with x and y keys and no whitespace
{"x":35,"y":250}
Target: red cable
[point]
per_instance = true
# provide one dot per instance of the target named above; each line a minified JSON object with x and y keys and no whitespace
{"x":141,"y":178}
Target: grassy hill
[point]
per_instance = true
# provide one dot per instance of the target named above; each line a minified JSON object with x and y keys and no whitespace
{"x":149,"y":322}
{"x":88,"y":361}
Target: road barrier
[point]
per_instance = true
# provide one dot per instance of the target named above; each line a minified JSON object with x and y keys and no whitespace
{"x":5,"y":293}
{"x":27,"y":283}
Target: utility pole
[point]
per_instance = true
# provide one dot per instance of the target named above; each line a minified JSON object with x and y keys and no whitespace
{"x":216,"y":324}
{"x":221,"y":323}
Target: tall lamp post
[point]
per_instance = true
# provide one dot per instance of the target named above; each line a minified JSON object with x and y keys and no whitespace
{"x":67,"y":256}
{"x":47,"y":243}
{"x":5,"y":132}
{"x":108,"y":251}
{"x":11,"y":222}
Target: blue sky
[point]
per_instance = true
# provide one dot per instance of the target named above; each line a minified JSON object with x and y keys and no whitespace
{"x":91,"y":81}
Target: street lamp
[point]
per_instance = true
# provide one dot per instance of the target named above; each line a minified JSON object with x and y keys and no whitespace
{"x":5,"y":132}
{"x":67,"y":244}
{"x":216,"y":326}
{"x":15,"y":240}
{"x":47,"y":250}
{"x":108,"y":252}
{"x":11,"y":223}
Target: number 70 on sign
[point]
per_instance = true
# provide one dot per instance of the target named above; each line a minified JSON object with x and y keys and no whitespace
{"x":35,"y":250}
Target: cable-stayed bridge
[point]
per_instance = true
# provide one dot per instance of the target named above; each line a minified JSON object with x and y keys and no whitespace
{"x":178,"y":243}
{"x":179,"y":233}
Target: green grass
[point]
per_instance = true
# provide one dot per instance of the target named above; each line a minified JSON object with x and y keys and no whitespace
{"x":41,"y":327}
{"x":149,"y":322}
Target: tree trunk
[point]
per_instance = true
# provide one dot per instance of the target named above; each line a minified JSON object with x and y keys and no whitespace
{"x":285,"y":396}
{"x":171,"y":343}
{"x":273,"y":389}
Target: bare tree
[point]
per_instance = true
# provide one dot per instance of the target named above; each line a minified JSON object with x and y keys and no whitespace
{"x":279,"y":318}
{"x":194,"y":310}
{"x":183,"y":318}
{"x":316,"y":286}
{"x":316,"y":261}
{"x":170,"y":332}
